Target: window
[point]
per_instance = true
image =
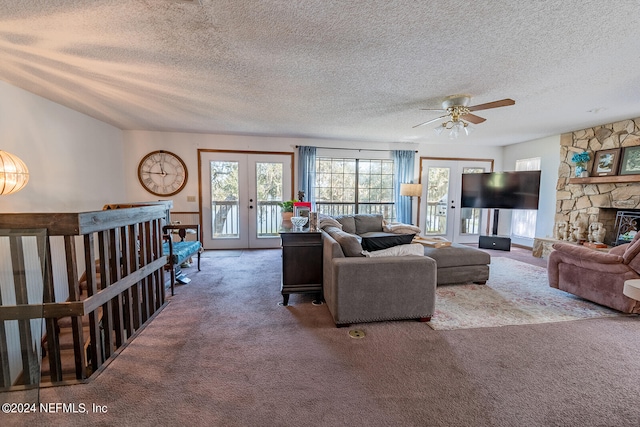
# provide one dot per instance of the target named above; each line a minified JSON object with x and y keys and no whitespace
{"x":350,"y":186}
{"x":523,"y":222}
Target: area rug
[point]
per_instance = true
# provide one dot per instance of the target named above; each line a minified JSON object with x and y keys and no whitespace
{"x":515,"y":294}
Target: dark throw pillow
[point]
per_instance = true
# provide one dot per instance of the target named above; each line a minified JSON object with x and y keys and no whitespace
{"x":378,"y":241}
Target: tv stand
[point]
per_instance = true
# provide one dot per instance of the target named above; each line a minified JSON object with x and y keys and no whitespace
{"x":501,"y":243}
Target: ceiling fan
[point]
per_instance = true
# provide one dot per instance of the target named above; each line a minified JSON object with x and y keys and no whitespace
{"x":459,"y":113}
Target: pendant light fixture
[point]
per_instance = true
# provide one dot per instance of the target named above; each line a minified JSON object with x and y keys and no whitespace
{"x":14,"y":174}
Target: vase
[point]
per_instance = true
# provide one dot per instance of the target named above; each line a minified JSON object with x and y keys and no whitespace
{"x":579,"y":170}
{"x":584,"y":174}
{"x":286,"y":219}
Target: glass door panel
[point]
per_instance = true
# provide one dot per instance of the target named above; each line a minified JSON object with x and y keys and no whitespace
{"x":471,"y":218}
{"x":270,"y":184}
{"x":241,"y":198}
{"x":443,"y":215}
{"x":225,"y":195}
{"x":437,"y":196}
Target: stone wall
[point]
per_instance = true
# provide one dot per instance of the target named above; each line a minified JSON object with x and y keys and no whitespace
{"x":595,"y":202}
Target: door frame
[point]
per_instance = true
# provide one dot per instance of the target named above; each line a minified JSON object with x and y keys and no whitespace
{"x":201,"y":151}
{"x":456,"y":159}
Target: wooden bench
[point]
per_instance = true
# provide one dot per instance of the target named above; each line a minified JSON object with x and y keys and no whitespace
{"x":180,"y":251}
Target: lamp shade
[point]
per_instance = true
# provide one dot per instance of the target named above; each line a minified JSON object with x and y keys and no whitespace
{"x":411,"y":190}
{"x":14,"y":174}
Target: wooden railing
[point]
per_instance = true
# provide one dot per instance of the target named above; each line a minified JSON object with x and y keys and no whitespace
{"x":122,"y":252}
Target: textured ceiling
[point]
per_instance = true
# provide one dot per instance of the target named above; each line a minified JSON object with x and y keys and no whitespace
{"x":356,"y":70}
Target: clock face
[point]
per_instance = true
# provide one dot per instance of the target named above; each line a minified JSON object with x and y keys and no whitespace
{"x":162,"y":173}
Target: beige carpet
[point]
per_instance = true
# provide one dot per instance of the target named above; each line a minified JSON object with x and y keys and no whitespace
{"x":515,"y":294}
{"x":224,"y":353}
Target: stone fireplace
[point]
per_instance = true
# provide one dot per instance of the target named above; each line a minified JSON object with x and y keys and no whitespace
{"x":597,"y":199}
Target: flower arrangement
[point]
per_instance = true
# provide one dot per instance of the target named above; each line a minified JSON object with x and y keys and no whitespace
{"x":581,"y":160}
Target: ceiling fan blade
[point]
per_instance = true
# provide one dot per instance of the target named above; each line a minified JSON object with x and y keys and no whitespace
{"x":430,"y":121}
{"x":433,"y":109}
{"x":473,"y":118}
{"x":494,"y":104}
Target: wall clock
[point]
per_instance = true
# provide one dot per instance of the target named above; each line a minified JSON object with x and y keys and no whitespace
{"x":162,"y":173}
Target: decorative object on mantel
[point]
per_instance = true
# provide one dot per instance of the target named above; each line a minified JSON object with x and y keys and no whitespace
{"x":577,"y":232}
{"x":581,"y":160}
{"x":605,"y":162}
{"x":14,"y":174}
{"x":597,"y":231}
{"x":630,"y":161}
{"x":561,"y":230}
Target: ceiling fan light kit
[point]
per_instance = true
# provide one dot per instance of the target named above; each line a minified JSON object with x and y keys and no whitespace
{"x":455,"y":128}
{"x":458,"y":113}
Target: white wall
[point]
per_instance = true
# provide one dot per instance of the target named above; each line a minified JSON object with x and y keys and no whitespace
{"x":75,"y":162}
{"x":462,"y":149}
{"x":548,"y":149}
{"x":186,"y":145}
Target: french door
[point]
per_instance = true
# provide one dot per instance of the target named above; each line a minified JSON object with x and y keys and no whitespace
{"x":241,"y":196}
{"x":440,"y":211}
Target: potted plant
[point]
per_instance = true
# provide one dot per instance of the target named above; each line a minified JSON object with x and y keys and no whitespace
{"x":581,"y":160}
{"x":287,"y":210}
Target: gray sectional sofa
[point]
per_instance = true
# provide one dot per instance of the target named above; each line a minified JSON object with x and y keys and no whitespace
{"x":361,"y":289}
{"x":365,"y":289}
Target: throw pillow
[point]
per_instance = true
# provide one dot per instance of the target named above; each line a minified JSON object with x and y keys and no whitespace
{"x":349,"y":243}
{"x":348,"y":223}
{"x":327,"y":221}
{"x":366,"y":223}
{"x":414,"y":249}
{"x":378,"y":241}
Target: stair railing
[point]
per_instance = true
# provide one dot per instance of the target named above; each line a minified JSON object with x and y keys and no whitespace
{"x":120,"y":252}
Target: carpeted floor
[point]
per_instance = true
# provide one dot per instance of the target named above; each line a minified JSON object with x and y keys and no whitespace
{"x":224,"y":353}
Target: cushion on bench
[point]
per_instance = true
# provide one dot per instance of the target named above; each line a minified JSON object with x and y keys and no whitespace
{"x":181,"y":250}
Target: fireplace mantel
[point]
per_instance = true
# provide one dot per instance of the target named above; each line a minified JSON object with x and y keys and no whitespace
{"x":615,"y":179}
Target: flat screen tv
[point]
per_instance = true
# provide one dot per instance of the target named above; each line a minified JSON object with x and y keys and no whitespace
{"x":501,"y":190}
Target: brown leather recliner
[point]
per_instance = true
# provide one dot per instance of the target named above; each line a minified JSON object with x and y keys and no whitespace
{"x":596,"y":276}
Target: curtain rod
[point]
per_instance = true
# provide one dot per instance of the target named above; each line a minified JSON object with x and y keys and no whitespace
{"x":351,"y":149}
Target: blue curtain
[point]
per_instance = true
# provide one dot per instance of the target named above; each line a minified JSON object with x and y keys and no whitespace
{"x":403,"y":161}
{"x":307,"y":172}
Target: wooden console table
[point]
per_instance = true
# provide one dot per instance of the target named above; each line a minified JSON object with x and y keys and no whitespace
{"x":301,"y":263}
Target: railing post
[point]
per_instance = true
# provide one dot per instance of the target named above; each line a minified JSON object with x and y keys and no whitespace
{"x":80,"y":357}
